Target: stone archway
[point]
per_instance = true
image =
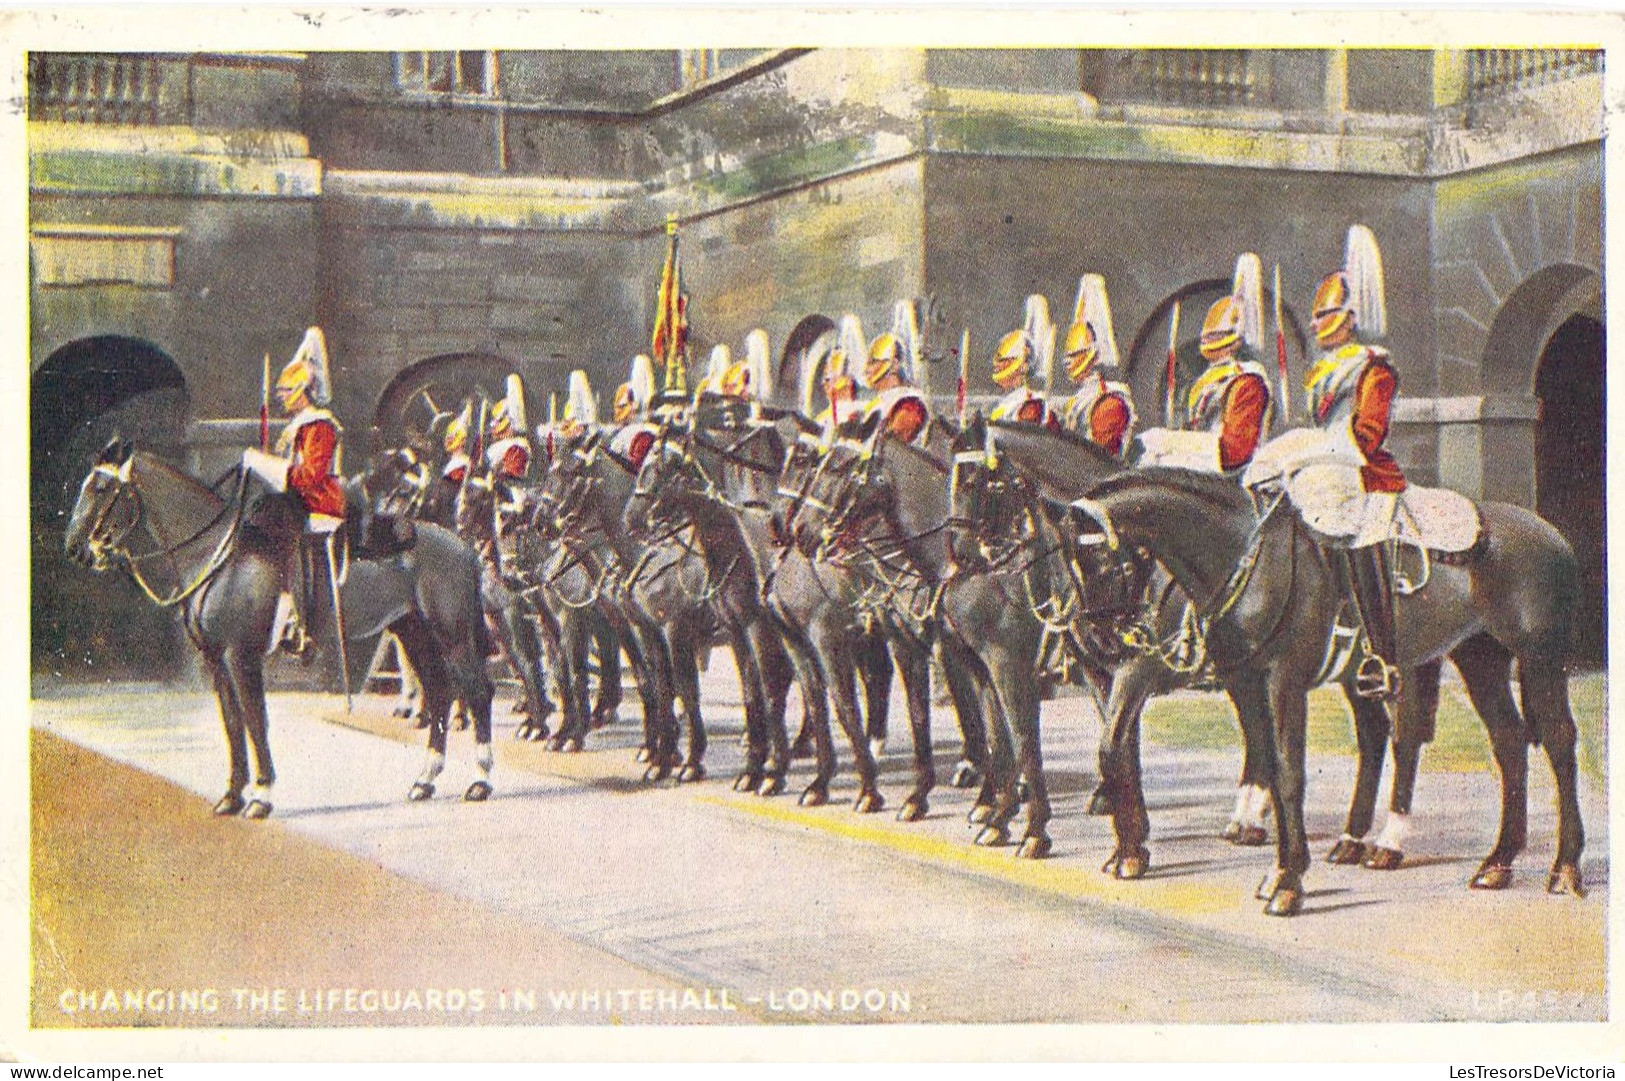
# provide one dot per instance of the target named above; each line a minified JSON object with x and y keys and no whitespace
{"x":808,"y":344}
{"x":85,"y":392}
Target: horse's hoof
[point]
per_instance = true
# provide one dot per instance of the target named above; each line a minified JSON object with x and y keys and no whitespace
{"x":643,"y":754}
{"x":1565,"y":879}
{"x":1286,"y":901}
{"x":1347,"y":851}
{"x":814,"y":797}
{"x":257,"y":808}
{"x":690,"y":773}
{"x":979,"y":814}
{"x":868,"y":803}
{"x":772,"y":785}
{"x":478,"y":792}
{"x":965,"y":776}
{"x":993,"y":837}
{"x":420,"y":792}
{"x":1231,"y":831}
{"x":656,"y":773}
{"x":913,"y":810}
{"x":1383,"y":859}
{"x":230,"y":804}
{"x":877,"y":747}
{"x":522,"y":732}
{"x":747,"y":781}
{"x":1492,"y":876}
{"x":1251,"y":836}
{"x":1128,"y":865}
{"x":571,"y":746}
{"x":1100,"y":805}
{"x":1268,"y":885}
{"x":422,"y":722}
{"x":539,"y":731}
{"x":1033,"y":847}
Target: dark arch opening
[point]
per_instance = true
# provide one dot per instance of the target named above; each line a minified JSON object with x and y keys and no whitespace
{"x":85,"y":625}
{"x":1146,"y":365}
{"x":406,"y":408}
{"x":1569,"y":484}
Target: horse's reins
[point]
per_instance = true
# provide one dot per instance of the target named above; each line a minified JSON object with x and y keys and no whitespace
{"x":132,"y":562}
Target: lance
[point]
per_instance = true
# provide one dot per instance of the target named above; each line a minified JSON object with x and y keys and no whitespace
{"x":964,"y":374}
{"x":1172,"y":375}
{"x":265,"y":404}
{"x":1280,"y":352}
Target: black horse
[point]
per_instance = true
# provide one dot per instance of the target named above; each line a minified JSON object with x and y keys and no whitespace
{"x":224,"y":573}
{"x":1511,"y":602}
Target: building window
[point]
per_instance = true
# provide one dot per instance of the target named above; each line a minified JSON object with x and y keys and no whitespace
{"x":71,"y":254}
{"x":465,"y":72}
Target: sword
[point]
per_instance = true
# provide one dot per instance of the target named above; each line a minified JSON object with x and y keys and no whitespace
{"x":338,"y":621}
{"x":964,"y":374}
{"x":1280,"y":352}
{"x":265,"y":404}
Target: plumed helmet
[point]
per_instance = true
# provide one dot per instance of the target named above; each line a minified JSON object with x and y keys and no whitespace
{"x":457,"y":429}
{"x":632,"y":397}
{"x":307,"y":371}
{"x":716,"y":370}
{"x":758,"y":359}
{"x":1355,"y":294}
{"x":1041,"y":332}
{"x":1090,"y":339}
{"x":885,"y":356}
{"x":1014,"y":354}
{"x":1239,"y":317}
{"x":580,"y":407}
{"x":508,"y":414}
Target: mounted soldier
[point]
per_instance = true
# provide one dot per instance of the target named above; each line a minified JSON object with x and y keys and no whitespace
{"x":1013,"y":361}
{"x":507,"y":448}
{"x":634,"y":434}
{"x":1228,"y":407}
{"x":839,"y":386}
{"x":306,"y":463}
{"x":891,"y":372}
{"x":1101,"y":408}
{"x":1340,"y":475}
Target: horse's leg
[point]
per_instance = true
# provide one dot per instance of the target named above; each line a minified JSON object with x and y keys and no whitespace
{"x":1249,"y":694}
{"x":244,"y":668}
{"x":1022,"y":705}
{"x":1289,"y":703}
{"x":915,"y":665}
{"x":1100,"y":682}
{"x":608,"y":650}
{"x":1121,"y":781}
{"x":420,"y":648}
{"x":1486,"y":671}
{"x":876,"y":666}
{"x":686,"y":684}
{"x":236,"y":739}
{"x":1417,"y":707}
{"x":663,"y":730}
{"x":836,"y":653}
{"x":546,"y":633}
{"x":1545,"y":692}
{"x":814,"y":713}
{"x":773,"y":662}
{"x":751,"y":693}
{"x":959,"y":664}
{"x":575,"y":646}
{"x":467,"y":669}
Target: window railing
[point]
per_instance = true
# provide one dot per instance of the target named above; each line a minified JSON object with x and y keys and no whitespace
{"x":95,"y":88}
{"x":1189,"y":77}
{"x":462,"y":72}
{"x":1494,"y":72}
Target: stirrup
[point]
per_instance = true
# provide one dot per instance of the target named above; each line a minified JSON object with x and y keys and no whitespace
{"x":1376,"y":678}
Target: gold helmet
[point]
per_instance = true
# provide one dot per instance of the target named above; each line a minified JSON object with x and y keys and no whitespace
{"x":736,"y":380}
{"x":307,"y":371}
{"x":1082,"y":350}
{"x":1222,"y":327}
{"x":885,"y":357}
{"x":1012,"y":356}
{"x":1089,"y":340}
{"x":508,"y":414}
{"x":457,"y":429}
{"x":1354,"y":296}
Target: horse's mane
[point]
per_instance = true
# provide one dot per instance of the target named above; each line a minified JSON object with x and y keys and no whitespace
{"x":1208,"y":487}
{"x":1040,"y":433}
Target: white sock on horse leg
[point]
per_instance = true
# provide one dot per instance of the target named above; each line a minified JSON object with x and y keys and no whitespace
{"x":1243,"y":792}
{"x":482,"y":759}
{"x":432,"y":767}
{"x":260,"y":792}
{"x":1395,"y":832}
{"x":1252,"y":805}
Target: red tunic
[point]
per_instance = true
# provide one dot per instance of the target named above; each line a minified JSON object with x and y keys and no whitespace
{"x":1108,"y":422}
{"x":1372,"y":398}
{"x":638,"y":449}
{"x":906,"y":420}
{"x":514,"y":463}
{"x":1245,"y":401}
{"x":310,"y":472}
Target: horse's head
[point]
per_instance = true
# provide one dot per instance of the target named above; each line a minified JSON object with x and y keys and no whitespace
{"x":848,"y":486}
{"x":1113,"y":578}
{"x":571,"y":477}
{"x":476,"y":502}
{"x":985,"y":493}
{"x":396,"y":482}
{"x":669,"y":476}
{"x":107,"y":509}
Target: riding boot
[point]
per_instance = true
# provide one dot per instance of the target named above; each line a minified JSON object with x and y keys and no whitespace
{"x":291,"y":606}
{"x":1378,"y":674}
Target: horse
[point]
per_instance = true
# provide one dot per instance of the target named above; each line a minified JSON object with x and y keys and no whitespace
{"x":675,"y":502}
{"x":1277,"y":610}
{"x":226,"y":570}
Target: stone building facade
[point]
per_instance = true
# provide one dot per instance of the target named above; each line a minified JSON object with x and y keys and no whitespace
{"x":448,"y":217}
